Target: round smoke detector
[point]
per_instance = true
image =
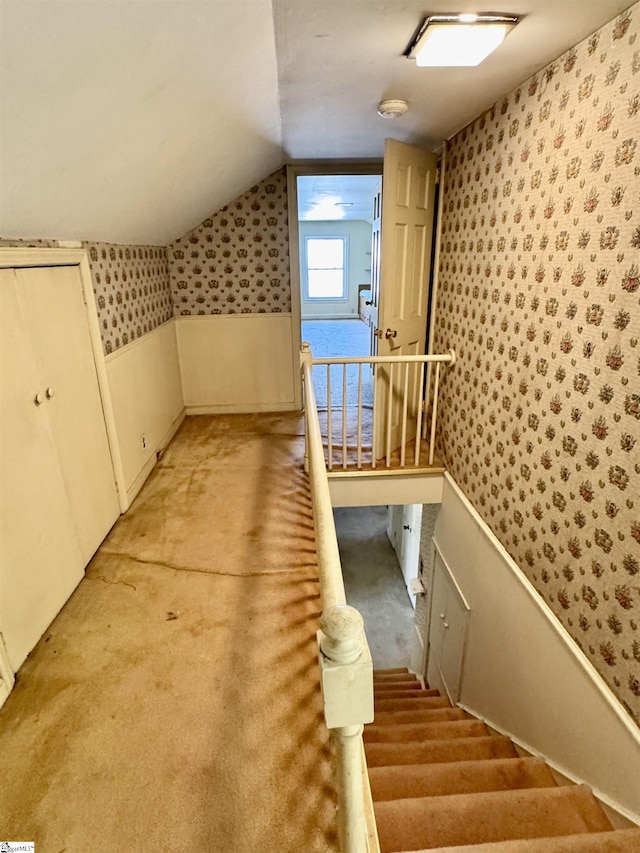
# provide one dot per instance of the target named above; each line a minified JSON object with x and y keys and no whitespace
{"x":392,"y":108}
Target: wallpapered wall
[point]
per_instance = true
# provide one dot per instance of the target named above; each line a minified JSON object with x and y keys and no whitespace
{"x":133,"y":295}
{"x":540,"y":297}
{"x":237,"y":260}
{"x":131,"y":286}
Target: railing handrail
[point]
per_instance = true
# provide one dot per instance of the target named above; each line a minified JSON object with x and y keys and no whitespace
{"x":329,"y":566}
{"x":403,"y":415}
{"x":449,"y":357}
{"x":345,"y":660}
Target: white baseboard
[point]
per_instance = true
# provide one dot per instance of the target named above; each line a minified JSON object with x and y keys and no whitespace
{"x":240,"y":409}
{"x":151,"y":462}
{"x":354,"y":316}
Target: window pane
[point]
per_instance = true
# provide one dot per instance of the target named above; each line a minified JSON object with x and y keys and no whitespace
{"x":325,"y":254}
{"x":325,"y":284}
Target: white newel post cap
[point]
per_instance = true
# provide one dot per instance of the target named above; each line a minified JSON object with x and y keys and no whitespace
{"x":343,"y":629}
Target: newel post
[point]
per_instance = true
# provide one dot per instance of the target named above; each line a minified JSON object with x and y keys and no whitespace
{"x":347,"y":687}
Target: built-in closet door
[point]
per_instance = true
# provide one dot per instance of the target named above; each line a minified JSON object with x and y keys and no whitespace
{"x":58,"y":321}
{"x":40,"y":559}
{"x":58,"y":498}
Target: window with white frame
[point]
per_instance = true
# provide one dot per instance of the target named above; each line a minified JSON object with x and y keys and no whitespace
{"x":326,"y":267}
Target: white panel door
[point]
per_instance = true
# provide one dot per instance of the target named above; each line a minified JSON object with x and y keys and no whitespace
{"x":40,"y":560}
{"x":403,"y":529}
{"x":58,"y":320}
{"x":408,"y":196}
{"x":376,"y":230}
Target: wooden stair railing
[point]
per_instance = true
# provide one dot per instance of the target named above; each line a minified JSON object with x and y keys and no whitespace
{"x":441,"y":780}
{"x":343,"y":652}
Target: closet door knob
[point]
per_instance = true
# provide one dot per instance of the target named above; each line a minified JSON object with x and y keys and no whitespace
{"x":38,"y":399}
{"x":50,"y":393}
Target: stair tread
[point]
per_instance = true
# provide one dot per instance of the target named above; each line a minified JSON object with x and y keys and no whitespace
{"x":614,"y":841}
{"x":404,"y":693}
{"x":458,"y":777}
{"x":424,"y":715}
{"x":487,"y":817}
{"x":390,"y":671}
{"x":383,"y":677}
{"x":384,"y":686}
{"x":409,"y":703}
{"x":439,"y":751}
{"x":411,"y":732}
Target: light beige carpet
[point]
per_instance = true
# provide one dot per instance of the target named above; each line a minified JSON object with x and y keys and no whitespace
{"x":442,"y":784}
{"x":175,"y":703}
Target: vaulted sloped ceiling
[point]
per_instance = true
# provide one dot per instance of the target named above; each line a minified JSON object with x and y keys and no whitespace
{"x":130,"y":121}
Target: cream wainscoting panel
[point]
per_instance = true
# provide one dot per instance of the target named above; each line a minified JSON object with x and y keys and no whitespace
{"x":146,"y":394}
{"x":237,"y":363}
{"x":524,"y":674}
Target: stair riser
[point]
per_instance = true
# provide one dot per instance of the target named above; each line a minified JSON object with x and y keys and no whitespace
{"x":459,"y":749}
{"x":487,"y":817}
{"x":412,"y":704}
{"x":432,"y":715}
{"x":385,"y":673}
{"x":412,"y":732}
{"x":418,"y":693}
{"x":619,"y":841}
{"x":396,"y":685}
{"x":458,"y":777}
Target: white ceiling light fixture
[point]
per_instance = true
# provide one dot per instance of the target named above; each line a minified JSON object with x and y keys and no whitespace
{"x":458,"y":40}
{"x":392,"y":108}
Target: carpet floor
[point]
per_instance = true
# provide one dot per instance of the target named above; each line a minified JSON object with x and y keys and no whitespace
{"x":374,"y":584}
{"x":339,"y":339}
{"x":443,"y":781}
{"x":175,"y":700}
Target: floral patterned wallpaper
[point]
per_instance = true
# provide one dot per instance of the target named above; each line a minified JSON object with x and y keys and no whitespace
{"x":237,"y":260}
{"x":540,"y":296}
{"x":131,"y":286}
{"x":133,"y":295}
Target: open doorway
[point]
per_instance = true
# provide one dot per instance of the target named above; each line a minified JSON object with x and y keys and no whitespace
{"x":331,"y":207}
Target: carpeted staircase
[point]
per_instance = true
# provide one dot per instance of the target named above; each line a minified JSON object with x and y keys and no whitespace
{"x":441,"y":780}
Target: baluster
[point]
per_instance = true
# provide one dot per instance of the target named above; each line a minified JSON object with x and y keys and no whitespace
{"x":374,"y":416}
{"x":359,"y":462}
{"x":405,"y":405}
{"x":434,"y":414}
{"x":344,"y":416}
{"x":421,"y":405}
{"x":389,"y":415}
{"x":426,"y":399}
{"x":329,"y":422}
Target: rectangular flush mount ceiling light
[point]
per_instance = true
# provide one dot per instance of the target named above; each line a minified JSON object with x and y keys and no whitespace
{"x":458,"y":40}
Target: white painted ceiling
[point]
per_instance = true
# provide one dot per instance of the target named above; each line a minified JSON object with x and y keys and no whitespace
{"x":336,"y":197}
{"x":132,"y":120}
